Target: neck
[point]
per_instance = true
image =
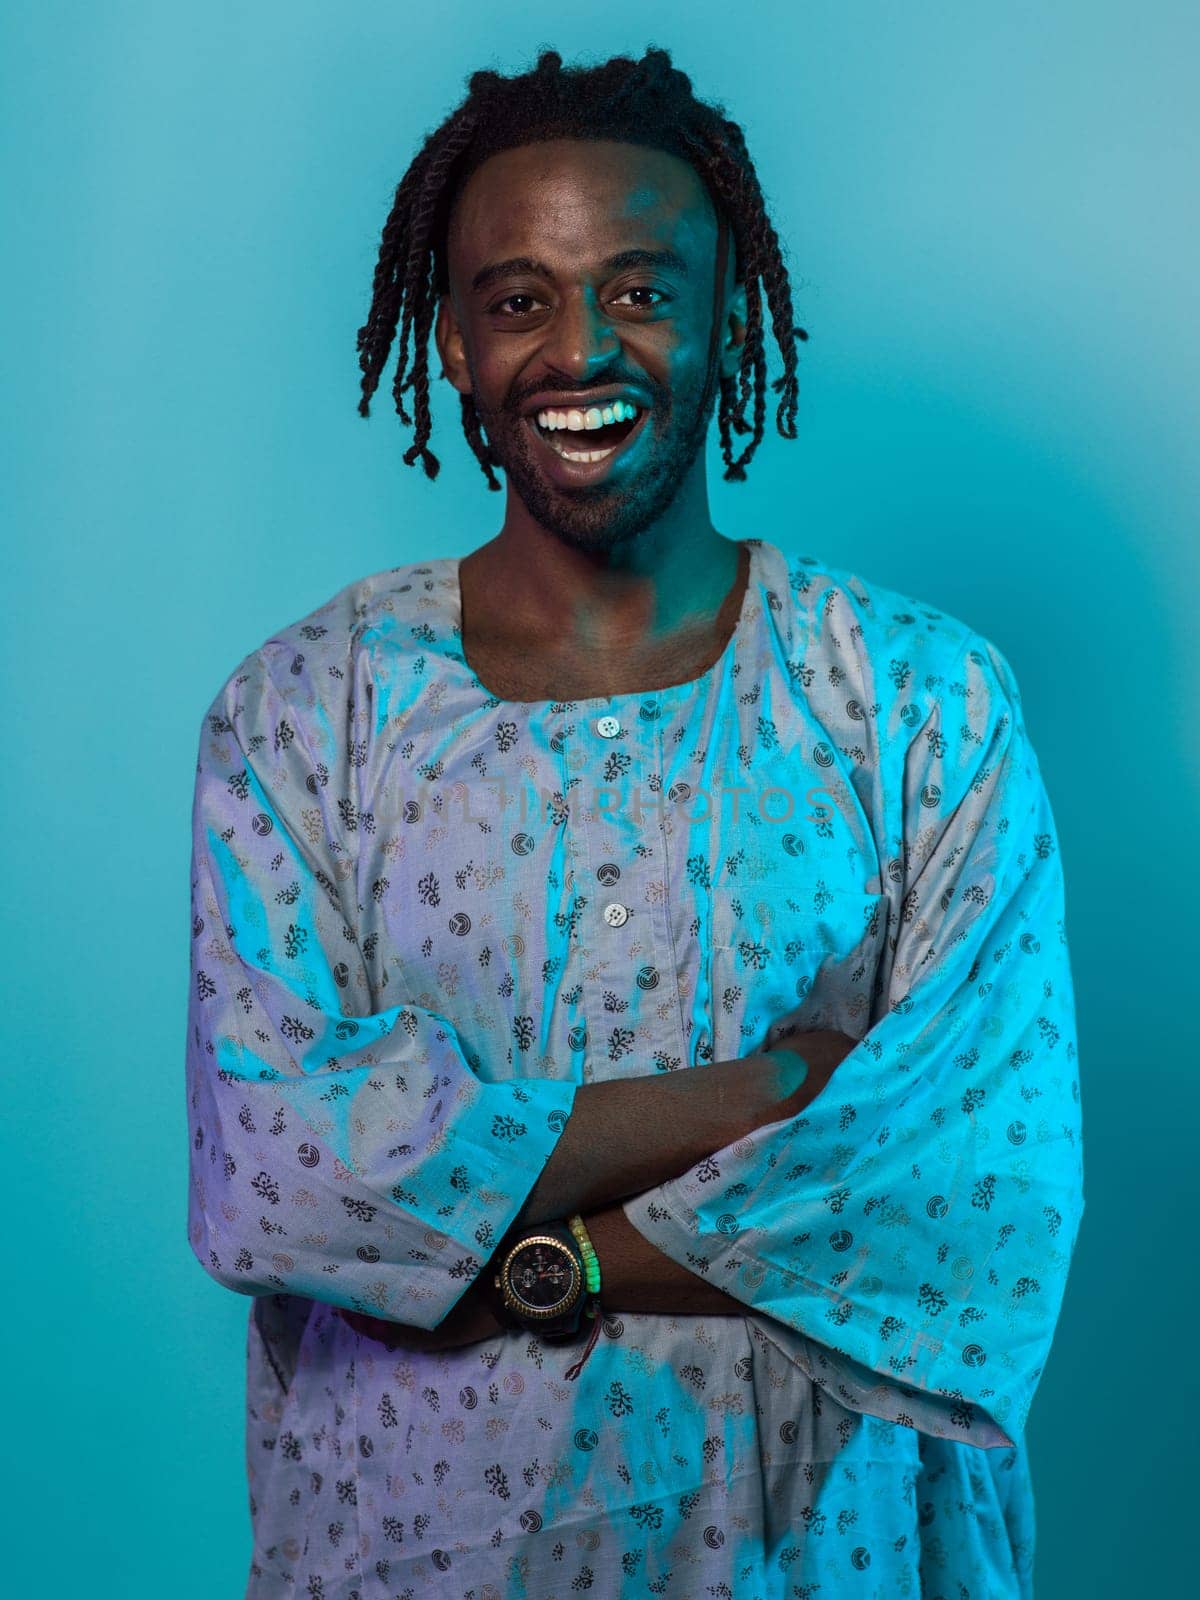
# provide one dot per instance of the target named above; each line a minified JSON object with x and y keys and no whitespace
{"x":527,"y":588}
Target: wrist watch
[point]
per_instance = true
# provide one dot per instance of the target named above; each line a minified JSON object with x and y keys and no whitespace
{"x":538,"y":1281}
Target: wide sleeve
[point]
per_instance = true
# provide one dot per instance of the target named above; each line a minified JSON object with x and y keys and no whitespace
{"x":907,"y":1237}
{"x":338,"y":1151}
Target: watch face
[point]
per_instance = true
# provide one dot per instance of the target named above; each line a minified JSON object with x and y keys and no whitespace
{"x":543,"y":1275}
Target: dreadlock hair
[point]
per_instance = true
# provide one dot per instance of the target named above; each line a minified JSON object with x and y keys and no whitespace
{"x":651,"y":103}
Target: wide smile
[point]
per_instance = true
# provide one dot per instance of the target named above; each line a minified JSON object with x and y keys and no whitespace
{"x":573,"y":474}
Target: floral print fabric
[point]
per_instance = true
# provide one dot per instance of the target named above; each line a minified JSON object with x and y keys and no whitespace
{"x":422,"y":916}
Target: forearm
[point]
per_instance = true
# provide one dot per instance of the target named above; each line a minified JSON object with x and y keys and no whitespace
{"x":626,"y":1135}
{"x":635,"y":1276}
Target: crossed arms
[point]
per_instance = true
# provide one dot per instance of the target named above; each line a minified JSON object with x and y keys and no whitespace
{"x":623,"y":1137}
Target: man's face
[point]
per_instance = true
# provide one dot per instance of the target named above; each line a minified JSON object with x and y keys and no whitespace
{"x":520,"y":334}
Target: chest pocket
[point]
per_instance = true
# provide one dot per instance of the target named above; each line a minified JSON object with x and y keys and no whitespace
{"x":778,"y":963}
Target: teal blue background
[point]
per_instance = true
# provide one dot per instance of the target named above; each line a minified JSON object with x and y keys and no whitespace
{"x":990,"y":217}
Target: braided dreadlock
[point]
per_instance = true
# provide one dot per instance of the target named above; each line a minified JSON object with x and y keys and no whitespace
{"x":652,"y":103}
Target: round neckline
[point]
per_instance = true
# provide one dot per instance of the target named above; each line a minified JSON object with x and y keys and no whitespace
{"x":725,"y":658}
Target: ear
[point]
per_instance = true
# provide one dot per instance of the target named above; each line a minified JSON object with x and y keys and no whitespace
{"x":735,"y":323}
{"x":449,"y":340}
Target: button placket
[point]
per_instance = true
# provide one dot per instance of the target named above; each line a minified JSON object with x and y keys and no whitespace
{"x":623,"y":989}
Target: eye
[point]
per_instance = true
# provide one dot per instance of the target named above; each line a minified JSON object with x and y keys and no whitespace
{"x":645,"y":288}
{"x":519,"y":296}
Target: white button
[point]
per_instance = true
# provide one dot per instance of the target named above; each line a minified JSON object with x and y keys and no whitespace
{"x":615,"y":914}
{"x":608,"y":727}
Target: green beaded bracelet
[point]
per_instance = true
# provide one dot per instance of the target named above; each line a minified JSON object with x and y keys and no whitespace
{"x":591,"y":1262}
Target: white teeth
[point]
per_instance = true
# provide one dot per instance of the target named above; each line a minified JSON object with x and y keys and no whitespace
{"x":574,"y":420}
{"x":594,"y":417}
{"x":585,"y":455}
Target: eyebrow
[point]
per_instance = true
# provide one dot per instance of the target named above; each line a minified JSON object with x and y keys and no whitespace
{"x":666,"y":259}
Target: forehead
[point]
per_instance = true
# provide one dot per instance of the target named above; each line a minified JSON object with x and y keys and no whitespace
{"x":572,"y":199}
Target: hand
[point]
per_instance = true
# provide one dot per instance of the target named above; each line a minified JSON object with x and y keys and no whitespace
{"x":822,"y":1050}
{"x":471,"y":1320}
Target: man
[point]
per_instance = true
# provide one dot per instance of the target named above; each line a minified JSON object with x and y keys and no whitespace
{"x":688,"y":908}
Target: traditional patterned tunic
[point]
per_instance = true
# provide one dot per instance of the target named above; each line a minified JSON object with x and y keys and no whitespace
{"x":422,"y":917}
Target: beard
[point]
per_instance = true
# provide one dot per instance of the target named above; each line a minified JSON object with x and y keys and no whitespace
{"x":599,"y":517}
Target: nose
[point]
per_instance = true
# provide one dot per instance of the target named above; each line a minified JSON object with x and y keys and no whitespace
{"x":581,"y":341}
